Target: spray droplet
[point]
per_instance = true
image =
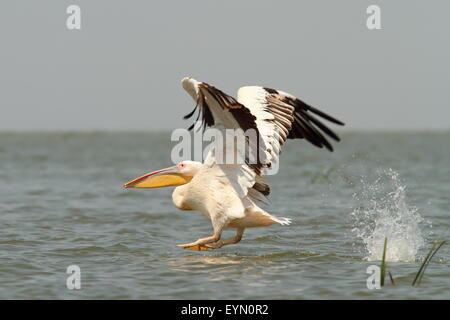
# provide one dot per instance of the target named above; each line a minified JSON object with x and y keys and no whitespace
{"x":382,"y":212}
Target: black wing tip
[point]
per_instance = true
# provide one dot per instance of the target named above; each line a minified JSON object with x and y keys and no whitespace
{"x":303,"y":105}
{"x":203,"y":112}
{"x":270,"y":90}
{"x":191,"y":127}
{"x":325,"y":116}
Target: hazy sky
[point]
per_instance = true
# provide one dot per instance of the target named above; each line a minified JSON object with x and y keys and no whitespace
{"x":122,"y":70}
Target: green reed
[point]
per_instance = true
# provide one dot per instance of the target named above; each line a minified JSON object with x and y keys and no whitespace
{"x":418,"y":278}
{"x":425,"y":262}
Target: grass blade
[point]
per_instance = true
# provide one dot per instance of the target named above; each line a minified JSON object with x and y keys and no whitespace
{"x":383,"y":263}
{"x":425,"y":263}
{"x":392,"y":278}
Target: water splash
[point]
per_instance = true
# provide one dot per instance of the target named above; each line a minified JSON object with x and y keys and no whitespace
{"x":382,"y":212}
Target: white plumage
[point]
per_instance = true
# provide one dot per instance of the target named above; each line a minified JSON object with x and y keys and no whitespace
{"x":230,"y":194}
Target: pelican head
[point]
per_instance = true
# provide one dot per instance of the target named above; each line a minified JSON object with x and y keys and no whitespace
{"x":177,"y":175}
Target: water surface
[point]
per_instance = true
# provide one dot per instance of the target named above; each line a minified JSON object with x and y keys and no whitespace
{"x":62,"y":203}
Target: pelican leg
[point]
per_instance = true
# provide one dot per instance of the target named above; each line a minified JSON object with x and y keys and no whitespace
{"x":220,"y":243}
{"x":199,"y":245}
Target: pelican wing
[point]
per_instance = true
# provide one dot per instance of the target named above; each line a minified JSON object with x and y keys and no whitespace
{"x":221,"y":111}
{"x":274,"y":115}
{"x":274,"y":119}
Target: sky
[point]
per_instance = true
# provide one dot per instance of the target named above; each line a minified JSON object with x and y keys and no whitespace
{"x":122,"y":70}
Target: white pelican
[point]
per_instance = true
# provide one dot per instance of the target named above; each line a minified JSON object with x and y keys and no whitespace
{"x":230,"y":195}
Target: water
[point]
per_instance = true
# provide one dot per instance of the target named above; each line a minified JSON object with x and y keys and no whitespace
{"x":61,"y":203}
{"x":385,"y":214}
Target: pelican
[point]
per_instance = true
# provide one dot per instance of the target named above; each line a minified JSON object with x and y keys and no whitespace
{"x":231,"y":195}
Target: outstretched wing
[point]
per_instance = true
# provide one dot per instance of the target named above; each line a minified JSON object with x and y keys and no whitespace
{"x":220,"y":111}
{"x":274,"y":119}
{"x":274,"y":115}
{"x":270,"y":106}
